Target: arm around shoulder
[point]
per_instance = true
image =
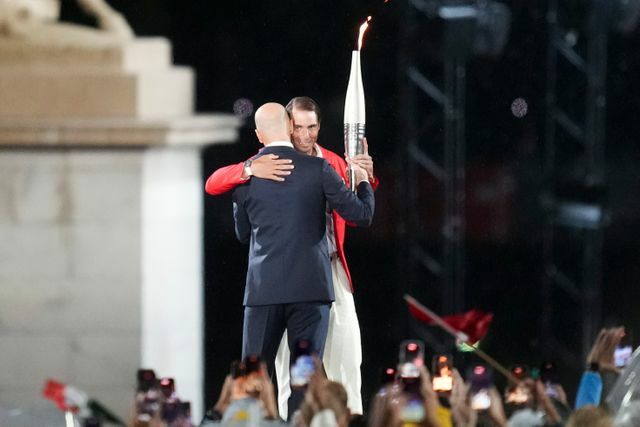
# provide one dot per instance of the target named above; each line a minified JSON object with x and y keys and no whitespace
{"x":225,"y":179}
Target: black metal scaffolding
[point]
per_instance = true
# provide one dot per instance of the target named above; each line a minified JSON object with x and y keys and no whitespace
{"x":574,"y":173}
{"x":435,"y":127}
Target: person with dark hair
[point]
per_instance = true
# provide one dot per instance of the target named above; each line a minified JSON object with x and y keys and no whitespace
{"x":343,"y":351}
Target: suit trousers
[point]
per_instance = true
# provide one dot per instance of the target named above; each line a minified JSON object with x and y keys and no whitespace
{"x":343,"y":349}
{"x":264,"y":325}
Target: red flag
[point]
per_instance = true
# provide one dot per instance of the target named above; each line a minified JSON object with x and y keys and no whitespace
{"x":474,"y":323}
{"x":54,"y":390}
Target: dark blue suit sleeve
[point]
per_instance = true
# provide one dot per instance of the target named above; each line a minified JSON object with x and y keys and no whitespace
{"x":240,"y":216}
{"x":357,"y":208}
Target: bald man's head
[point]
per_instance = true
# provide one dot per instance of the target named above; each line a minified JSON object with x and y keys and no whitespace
{"x":272,"y":123}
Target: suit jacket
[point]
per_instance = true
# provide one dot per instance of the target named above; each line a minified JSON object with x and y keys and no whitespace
{"x":228,"y":177}
{"x":285,"y":224}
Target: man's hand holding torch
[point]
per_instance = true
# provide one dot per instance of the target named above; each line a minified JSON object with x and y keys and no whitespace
{"x":361,"y":173}
{"x":363,"y":160}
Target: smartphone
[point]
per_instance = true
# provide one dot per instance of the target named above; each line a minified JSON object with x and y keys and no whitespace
{"x":521,"y":372}
{"x":170,"y":411}
{"x":146,"y":379}
{"x":236,"y":370}
{"x":413,"y":412}
{"x":480,"y":400}
{"x":518,"y":395}
{"x":480,"y":381}
{"x":252,"y":363}
{"x":412,"y":351}
{"x":167,"y":387}
{"x":622,"y":355}
{"x":549,"y":377}
{"x":410,"y":378}
{"x":624,"y":350}
{"x":388,"y":376}
{"x":442,"y":373}
{"x":302,"y":370}
{"x":304,"y":365}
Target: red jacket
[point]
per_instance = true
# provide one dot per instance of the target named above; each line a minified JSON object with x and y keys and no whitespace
{"x":227,"y":178}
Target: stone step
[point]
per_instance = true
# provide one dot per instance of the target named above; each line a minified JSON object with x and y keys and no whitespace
{"x":76,"y":93}
{"x":138,"y":54}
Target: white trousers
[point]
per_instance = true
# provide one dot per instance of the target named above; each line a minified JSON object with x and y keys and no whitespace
{"x":342,"y":351}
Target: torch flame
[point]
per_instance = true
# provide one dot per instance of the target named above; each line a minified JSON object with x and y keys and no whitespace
{"x":363,"y":28}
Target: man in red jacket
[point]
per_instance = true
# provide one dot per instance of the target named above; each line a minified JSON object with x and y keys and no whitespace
{"x":343,"y":351}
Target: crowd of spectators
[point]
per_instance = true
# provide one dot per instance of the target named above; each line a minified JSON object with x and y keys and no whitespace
{"x":415,"y":394}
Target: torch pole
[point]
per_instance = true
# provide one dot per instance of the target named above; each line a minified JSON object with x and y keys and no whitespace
{"x":354,"y":115}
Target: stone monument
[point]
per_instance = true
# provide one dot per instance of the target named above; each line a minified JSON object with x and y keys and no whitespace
{"x":100,"y":207}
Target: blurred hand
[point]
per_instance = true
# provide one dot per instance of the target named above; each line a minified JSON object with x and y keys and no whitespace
{"x":496,"y":409}
{"x":387,"y":406}
{"x":364,"y":160}
{"x":461,"y":411}
{"x":429,"y":397}
{"x":543,"y":400}
{"x":259,"y":385}
{"x":225,"y":398}
{"x":604,"y":347}
{"x":270,"y":166}
{"x":560,"y":394}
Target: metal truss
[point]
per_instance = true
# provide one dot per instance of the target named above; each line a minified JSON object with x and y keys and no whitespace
{"x":574,"y":178}
{"x":424,"y":101}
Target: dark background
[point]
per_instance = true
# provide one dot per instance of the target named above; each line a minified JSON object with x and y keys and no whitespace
{"x":272,"y":51}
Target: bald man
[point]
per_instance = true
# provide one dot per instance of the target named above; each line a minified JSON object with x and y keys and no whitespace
{"x":289,"y":284}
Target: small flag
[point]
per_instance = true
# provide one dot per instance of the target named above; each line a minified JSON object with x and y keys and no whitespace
{"x":473,"y":323}
{"x":69,"y":398}
{"x":54,"y":391}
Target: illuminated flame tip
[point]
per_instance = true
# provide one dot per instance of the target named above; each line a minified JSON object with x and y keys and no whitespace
{"x":363,"y":28}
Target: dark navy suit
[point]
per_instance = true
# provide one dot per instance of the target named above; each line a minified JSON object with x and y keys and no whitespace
{"x":289,"y":283}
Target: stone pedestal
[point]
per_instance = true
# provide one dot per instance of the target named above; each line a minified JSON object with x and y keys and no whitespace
{"x":100,"y":220}
{"x":100,"y":255}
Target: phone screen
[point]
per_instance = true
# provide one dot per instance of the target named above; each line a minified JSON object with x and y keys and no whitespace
{"x":302,"y":370}
{"x":480,"y":400}
{"x":442,"y":373}
{"x":622,"y":355}
{"x":549,"y":376}
{"x":517,"y":395}
{"x":480,"y":380}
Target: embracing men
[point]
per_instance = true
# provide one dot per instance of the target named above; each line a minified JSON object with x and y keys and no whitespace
{"x":304,"y":231}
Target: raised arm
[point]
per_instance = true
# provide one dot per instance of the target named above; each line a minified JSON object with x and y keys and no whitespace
{"x":229,"y":177}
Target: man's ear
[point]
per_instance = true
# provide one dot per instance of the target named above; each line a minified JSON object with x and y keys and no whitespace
{"x":258,"y":135}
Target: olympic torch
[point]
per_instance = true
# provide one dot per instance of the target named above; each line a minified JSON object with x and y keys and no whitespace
{"x":354,"y":110}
